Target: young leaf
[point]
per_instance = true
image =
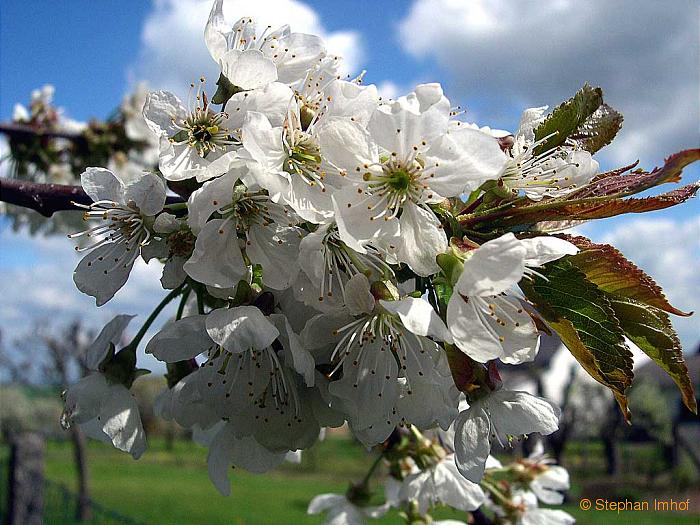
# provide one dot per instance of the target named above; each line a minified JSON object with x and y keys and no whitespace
{"x":640,"y":307}
{"x":613,"y":273}
{"x":568,"y":117}
{"x":651,"y":330}
{"x":584,"y":209}
{"x":619,"y":184}
{"x":584,"y":319}
{"x":599,"y":129}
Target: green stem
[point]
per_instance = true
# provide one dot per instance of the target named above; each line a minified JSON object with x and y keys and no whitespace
{"x":374,"y":466}
{"x":183,"y":301}
{"x":200,"y":300}
{"x":137,"y":339}
{"x":176,"y":206}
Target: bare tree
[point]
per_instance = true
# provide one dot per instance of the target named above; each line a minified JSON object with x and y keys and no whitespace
{"x":56,"y":358}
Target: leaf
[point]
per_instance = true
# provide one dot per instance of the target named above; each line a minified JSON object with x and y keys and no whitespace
{"x":618,"y":183}
{"x":586,"y":209}
{"x":605,"y":266}
{"x":568,"y":117}
{"x":640,"y":306}
{"x":584,"y":319}
{"x":599,"y":129}
{"x":651,"y":330}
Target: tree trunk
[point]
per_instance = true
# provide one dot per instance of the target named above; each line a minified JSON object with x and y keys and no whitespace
{"x":26,"y":490}
{"x":83,"y":512}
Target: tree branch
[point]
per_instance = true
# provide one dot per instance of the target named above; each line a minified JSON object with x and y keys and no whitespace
{"x":48,"y":198}
{"x":17,"y":130}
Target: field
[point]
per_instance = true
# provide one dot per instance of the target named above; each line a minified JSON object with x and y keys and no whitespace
{"x":172,"y":487}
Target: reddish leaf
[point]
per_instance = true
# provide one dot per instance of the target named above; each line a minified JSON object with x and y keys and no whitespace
{"x":618,"y":183}
{"x":613,"y":273}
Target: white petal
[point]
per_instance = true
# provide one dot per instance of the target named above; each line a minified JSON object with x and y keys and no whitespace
{"x":355,"y":223}
{"x":99,"y":275}
{"x":358,"y":298}
{"x":546,"y":517}
{"x":121,"y":421}
{"x":349,"y":99}
{"x":276,"y":250}
{"x":541,"y":250}
{"x":347,"y":145}
{"x":273,"y":101}
{"x":217,"y":258}
{"x":493,"y":267}
{"x":173,"y":273}
{"x":301,"y":359}
{"x":248,"y":69}
{"x":166,"y":223}
{"x":215,"y":30}
{"x":422,"y":239}
{"x":101,"y":184}
{"x":111,"y":333}
{"x":324,"y":502}
{"x":180,"y":340}
{"x":462,"y":160}
{"x":519,"y":413}
{"x":419,"y":317}
{"x":181,"y":161}
{"x":472,"y":443}
{"x":212,"y":196}
{"x":147,"y":193}
{"x":160,"y":109}
{"x":84,"y":398}
{"x":304,"y":51}
{"x":240,"y":328}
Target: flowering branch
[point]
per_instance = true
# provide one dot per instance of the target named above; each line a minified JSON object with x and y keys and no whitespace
{"x":48,"y":198}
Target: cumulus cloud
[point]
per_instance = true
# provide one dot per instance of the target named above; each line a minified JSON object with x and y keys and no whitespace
{"x":39,"y":288}
{"x":173,"y":52}
{"x":504,"y":54}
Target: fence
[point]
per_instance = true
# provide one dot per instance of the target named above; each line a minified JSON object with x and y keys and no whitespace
{"x":60,"y":505}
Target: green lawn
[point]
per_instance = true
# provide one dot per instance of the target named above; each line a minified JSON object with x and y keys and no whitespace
{"x":173,"y":487}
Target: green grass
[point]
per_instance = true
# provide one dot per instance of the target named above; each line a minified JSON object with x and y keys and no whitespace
{"x":173,"y":487}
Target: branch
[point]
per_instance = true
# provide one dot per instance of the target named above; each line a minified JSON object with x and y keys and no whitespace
{"x":48,"y":198}
{"x":19,"y":131}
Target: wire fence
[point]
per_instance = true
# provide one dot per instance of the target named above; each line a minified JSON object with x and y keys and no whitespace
{"x":61,"y":504}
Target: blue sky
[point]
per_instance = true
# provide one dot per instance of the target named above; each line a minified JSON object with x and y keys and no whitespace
{"x":493,"y":57}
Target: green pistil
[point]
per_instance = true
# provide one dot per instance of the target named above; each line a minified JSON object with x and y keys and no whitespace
{"x":399,"y":180}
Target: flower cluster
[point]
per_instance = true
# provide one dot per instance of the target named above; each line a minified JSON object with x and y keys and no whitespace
{"x":333,"y":266}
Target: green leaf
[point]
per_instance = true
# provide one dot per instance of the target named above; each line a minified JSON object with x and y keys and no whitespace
{"x":568,"y":117}
{"x":651,"y":330}
{"x":599,"y":129}
{"x":582,"y":316}
{"x":640,"y":306}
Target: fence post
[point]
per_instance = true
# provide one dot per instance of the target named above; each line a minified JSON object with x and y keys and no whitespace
{"x":26,"y":483}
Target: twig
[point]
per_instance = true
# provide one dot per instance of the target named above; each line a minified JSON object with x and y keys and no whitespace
{"x":19,"y":131}
{"x":48,"y":198}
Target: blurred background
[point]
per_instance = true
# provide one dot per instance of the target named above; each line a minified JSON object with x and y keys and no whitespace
{"x":494,"y":58}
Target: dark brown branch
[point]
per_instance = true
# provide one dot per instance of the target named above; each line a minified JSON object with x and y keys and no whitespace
{"x":48,"y":198}
{"x":19,"y":131}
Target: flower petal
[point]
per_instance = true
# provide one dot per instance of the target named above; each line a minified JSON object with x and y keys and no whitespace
{"x":217,"y":258}
{"x":493,"y":267}
{"x":240,"y":328}
{"x":422,"y":239}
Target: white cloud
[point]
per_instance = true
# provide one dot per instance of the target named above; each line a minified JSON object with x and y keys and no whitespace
{"x":508,"y":53}
{"x":39,"y":288}
{"x":173,"y":52}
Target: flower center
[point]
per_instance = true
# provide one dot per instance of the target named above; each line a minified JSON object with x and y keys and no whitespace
{"x":304,"y":158}
{"x":203,"y":130}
